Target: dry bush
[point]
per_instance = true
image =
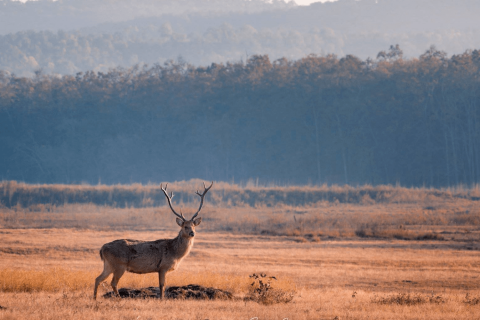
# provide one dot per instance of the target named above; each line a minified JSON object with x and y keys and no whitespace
{"x":407,"y":299}
{"x":263,"y":292}
{"x":471,"y":300}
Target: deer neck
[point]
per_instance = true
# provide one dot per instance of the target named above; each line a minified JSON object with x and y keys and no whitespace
{"x":183,"y":244}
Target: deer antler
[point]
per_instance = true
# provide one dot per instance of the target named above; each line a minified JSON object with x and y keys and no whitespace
{"x":169,"y":199}
{"x":201,"y":196}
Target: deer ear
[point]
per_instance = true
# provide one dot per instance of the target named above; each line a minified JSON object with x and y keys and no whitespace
{"x":197,"y":221}
{"x":179,"y":222}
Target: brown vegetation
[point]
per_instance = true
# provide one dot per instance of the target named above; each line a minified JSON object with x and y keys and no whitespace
{"x":322,"y":212}
{"x":54,"y":271}
{"x":43,"y":196}
{"x":471,"y":300}
{"x":414,"y":259}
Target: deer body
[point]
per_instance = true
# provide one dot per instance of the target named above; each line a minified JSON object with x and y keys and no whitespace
{"x":146,"y":256}
{"x":141,"y":257}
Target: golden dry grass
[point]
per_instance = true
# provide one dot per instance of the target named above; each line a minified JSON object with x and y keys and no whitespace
{"x":326,"y":304}
{"x":374,"y":259}
{"x":65,"y":280}
{"x":41,"y":279}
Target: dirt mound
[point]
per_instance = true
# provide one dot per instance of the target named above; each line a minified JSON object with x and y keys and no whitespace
{"x":192,"y":291}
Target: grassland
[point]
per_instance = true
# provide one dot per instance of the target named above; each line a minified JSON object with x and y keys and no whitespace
{"x":414,"y":256}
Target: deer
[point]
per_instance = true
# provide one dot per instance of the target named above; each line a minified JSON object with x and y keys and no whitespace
{"x":161,"y":256}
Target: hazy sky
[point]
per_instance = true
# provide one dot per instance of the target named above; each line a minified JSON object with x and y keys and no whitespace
{"x":299,"y":2}
{"x":307,"y":2}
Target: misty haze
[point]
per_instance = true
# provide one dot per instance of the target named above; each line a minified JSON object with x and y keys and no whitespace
{"x":339,"y":143}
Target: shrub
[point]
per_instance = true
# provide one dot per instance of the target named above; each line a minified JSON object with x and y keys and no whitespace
{"x":263,"y":292}
{"x":471,"y":300}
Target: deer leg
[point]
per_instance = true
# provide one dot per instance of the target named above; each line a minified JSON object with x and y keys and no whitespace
{"x":106,"y":272}
{"x":161,"y":280}
{"x":117,"y":274}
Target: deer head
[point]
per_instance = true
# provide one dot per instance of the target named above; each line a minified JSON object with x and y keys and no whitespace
{"x":188,"y":226}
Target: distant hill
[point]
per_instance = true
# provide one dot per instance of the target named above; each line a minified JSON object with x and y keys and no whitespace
{"x":73,"y":14}
{"x":66,"y":37}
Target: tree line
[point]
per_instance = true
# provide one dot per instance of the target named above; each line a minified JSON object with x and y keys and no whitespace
{"x":319,"y":119}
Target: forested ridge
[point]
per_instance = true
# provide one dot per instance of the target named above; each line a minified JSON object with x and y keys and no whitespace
{"x":66,"y":37}
{"x":319,"y":119}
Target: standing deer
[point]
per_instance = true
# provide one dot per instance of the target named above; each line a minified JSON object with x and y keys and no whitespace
{"x":160,"y":256}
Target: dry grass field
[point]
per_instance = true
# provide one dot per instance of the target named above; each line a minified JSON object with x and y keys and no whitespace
{"x":416,"y":258}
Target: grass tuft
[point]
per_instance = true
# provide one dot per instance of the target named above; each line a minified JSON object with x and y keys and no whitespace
{"x":407,"y":299}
